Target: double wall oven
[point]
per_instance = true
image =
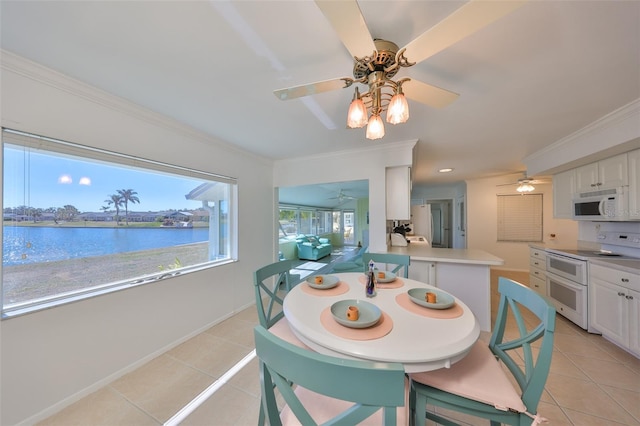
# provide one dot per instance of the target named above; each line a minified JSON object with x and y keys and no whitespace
{"x":568,"y":273}
{"x":567,"y":284}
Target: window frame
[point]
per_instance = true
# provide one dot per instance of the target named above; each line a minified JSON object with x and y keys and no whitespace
{"x":55,"y":146}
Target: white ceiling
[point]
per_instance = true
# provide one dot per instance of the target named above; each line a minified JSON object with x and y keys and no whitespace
{"x":527,"y":80}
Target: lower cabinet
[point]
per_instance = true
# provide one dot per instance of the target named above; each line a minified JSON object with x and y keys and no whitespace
{"x":469,"y":282}
{"x":538,"y":270}
{"x":614,"y":306}
{"x":423,"y":271}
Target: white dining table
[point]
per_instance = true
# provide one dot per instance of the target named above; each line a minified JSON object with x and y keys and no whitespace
{"x":419,"y":341}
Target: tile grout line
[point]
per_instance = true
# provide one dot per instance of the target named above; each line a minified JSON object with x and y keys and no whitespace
{"x":185,"y":411}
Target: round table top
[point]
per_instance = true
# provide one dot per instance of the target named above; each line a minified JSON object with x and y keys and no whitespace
{"x":421,"y":341}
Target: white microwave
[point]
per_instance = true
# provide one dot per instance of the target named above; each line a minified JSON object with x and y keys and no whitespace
{"x":603,"y":205}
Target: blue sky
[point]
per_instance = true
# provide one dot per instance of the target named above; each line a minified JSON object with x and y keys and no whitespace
{"x":34,"y":179}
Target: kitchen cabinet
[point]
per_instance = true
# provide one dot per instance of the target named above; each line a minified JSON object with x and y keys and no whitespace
{"x":564,"y":186}
{"x":423,"y":271}
{"x":398,"y":192}
{"x":634,"y":184}
{"x":538,"y":270}
{"x":614,"y":305}
{"x":608,"y":173}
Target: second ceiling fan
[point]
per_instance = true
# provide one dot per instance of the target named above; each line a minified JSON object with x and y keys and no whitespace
{"x":377,"y":61}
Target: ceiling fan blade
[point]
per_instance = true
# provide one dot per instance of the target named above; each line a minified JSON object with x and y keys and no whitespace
{"x":428,"y":94}
{"x":473,"y":16}
{"x":312,"y":88}
{"x":348,"y":22}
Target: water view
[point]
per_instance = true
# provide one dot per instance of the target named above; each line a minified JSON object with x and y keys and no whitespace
{"x":24,"y":245}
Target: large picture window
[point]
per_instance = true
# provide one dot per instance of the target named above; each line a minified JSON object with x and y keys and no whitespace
{"x":79,"y":221}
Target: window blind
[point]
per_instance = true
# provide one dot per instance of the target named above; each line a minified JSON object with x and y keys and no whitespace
{"x":520,"y":217}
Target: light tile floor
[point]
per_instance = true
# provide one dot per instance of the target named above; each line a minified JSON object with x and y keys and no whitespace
{"x":592,"y":382}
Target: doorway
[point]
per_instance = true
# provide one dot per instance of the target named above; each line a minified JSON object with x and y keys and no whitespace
{"x":441,"y":214}
{"x":349,"y":231}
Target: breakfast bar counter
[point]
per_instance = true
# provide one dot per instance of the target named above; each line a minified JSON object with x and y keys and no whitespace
{"x":429,"y":254}
{"x":465,"y":273}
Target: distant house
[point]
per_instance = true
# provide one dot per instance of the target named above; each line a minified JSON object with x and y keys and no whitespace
{"x":180,"y":216}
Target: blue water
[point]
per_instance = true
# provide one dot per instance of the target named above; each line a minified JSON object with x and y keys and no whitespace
{"x":23,"y":245}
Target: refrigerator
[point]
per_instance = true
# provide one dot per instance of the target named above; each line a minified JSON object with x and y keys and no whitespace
{"x":422,"y":221}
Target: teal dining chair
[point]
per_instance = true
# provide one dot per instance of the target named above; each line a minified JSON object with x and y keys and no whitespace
{"x":478,"y":385}
{"x":398,"y":261}
{"x":328,"y":390}
{"x":272,"y":282}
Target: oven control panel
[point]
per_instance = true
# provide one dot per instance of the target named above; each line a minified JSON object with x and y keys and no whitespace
{"x":622,"y":239}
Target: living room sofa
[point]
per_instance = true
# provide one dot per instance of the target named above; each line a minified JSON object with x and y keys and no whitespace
{"x":311,"y":247}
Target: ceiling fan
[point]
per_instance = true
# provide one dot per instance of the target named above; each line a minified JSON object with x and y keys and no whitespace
{"x":342,"y":197}
{"x":377,"y":61}
{"x":525,"y":184}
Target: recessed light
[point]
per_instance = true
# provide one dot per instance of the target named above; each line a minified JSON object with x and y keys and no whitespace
{"x":447,"y":170}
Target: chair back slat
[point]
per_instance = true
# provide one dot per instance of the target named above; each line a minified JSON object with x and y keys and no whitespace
{"x":399,"y":261}
{"x":271,"y":283}
{"x":532,"y":376}
{"x":369,"y":386}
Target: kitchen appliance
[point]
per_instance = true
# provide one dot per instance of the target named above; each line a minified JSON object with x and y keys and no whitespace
{"x":422,"y":221}
{"x":568,"y":273}
{"x":567,"y":284}
{"x":398,"y":240}
{"x":603,"y":205}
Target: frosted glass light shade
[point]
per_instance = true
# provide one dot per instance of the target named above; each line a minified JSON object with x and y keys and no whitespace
{"x":375,"y":129}
{"x":398,"y":111}
{"x":357,"y":115}
{"x":525,"y":187}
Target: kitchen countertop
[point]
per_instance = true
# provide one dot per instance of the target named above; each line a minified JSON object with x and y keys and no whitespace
{"x":430,"y":254}
{"x":628,"y":265}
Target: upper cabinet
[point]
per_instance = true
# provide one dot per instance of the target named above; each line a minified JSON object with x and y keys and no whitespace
{"x":619,"y":171}
{"x":634,"y":184}
{"x":398,"y":193}
{"x":608,"y":173}
{"x":564,"y":186}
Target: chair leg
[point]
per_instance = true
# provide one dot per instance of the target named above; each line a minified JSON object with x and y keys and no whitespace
{"x":417,"y":407}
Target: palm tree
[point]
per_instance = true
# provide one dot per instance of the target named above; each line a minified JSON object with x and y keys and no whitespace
{"x":128,"y":195}
{"x":116,"y":200}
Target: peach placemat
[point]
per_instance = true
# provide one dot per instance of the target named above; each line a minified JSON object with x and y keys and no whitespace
{"x":453,"y":312}
{"x":397,"y":283}
{"x":341,"y":288}
{"x":380,"y":329}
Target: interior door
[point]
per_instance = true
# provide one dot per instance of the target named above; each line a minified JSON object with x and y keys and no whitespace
{"x":460,"y":218}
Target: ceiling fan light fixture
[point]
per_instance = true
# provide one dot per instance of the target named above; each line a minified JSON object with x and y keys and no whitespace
{"x":375,"y":128}
{"x":525,"y":187}
{"x":398,"y":111}
{"x":357,"y":115}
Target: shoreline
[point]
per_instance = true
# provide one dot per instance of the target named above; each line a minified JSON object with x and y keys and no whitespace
{"x":36,"y":280}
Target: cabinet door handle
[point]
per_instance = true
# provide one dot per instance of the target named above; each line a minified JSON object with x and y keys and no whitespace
{"x":629,"y":297}
{"x":625,"y":280}
{"x":621,"y":294}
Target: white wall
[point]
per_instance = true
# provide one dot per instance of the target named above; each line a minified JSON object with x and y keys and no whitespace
{"x":352,"y":165}
{"x":482,"y":229}
{"x":52,"y":357}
